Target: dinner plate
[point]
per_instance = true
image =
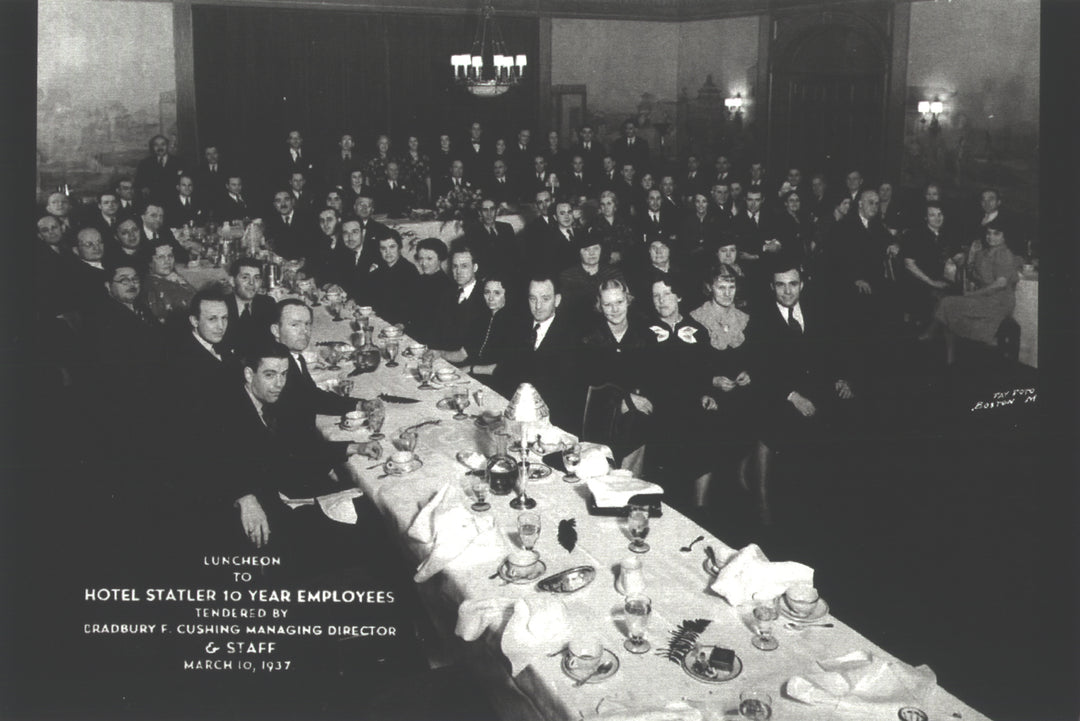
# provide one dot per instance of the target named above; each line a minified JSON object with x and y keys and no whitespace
{"x":578,"y":674}
{"x":568,"y":581}
{"x":536,"y":573}
{"x":401,"y":471}
{"x":819,"y":612}
{"x":706,"y":673}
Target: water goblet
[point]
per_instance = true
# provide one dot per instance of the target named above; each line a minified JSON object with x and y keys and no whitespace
{"x":330,"y":355}
{"x":571,"y":457}
{"x":638,"y":609}
{"x":481,"y":487}
{"x":528,"y":524}
{"x":390,"y":353}
{"x":426,"y":370}
{"x":637,"y":521}
{"x":460,"y":399}
{"x":765,"y":611}
{"x":376,"y":415}
{"x":755,"y":705}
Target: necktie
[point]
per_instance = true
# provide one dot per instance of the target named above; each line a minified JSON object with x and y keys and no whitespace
{"x":184,"y":200}
{"x":269,"y":419}
{"x":391,"y":185}
{"x":461,"y":295}
{"x":298,"y":154}
{"x":535,"y":334}
{"x":492,"y":232}
{"x":569,"y":235}
{"x":288,"y":220}
{"x":246,"y":312}
{"x":161,"y":162}
{"x":358,"y":258}
{"x":656,"y":217}
{"x":303,"y":367}
{"x":587,"y":147}
{"x":792,"y":322}
{"x":213,"y":168}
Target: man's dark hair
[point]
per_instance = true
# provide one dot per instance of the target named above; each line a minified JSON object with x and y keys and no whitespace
{"x":935,"y":204}
{"x":264,"y":349}
{"x":122,"y":261}
{"x":103,"y":193}
{"x":543,"y":276}
{"x":204,"y":296}
{"x":245,"y":262}
{"x":459,"y":247}
{"x":286,"y":303}
{"x":433,"y":244}
{"x":150,"y":143}
{"x":863,"y":191}
{"x":780,"y":264}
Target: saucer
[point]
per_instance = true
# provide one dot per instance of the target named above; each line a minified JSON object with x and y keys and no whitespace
{"x":821,"y":609}
{"x":444,"y":404}
{"x":402,"y":470}
{"x":606,"y":657}
{"x":536,"y":472}
{"x":537,"y":572}
{"x":449,"y":379}
{"x":708,"y":674}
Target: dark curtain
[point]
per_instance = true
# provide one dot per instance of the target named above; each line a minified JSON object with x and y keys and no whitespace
{"x":260,"y":72}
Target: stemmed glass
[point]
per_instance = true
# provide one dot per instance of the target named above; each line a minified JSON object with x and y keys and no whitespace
{"x":765,"y":611}
{"x":522,"y":499}
{"x":571,"y":457}
{"x":637,"y":521}
{"x":638,"y":609}
{"x":528,"y":524}
{"x":390,"y":353}
{"x":481,"y":487}
{"x":460,"y":399}
{"x":330,"y":355}
{"x":376,"y":415}
{"x":755,"y":705}
{"x":334,"y":305}
{"x":426,"y":369}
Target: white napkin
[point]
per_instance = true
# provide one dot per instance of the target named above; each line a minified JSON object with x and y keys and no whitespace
{"x":594,"y":460}
{"x":339,"y":506}
{"x":615,"y":489}
{"x":672,"y":711}
{"x":477,"y":615}
{"x":860,"y":685}
{"x":447,"y":528}
{"x":749,"y":572}
{"x":537,"y":628}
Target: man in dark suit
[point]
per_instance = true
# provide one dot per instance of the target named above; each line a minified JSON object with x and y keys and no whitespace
{"x":535,"y":179}
{"x":203,"y":365}
{"x":51,"y":295}
{"x":107,"y":217}
{"x":125,"y":191}
{"x":520,"y":156}
{"x":456,"y":180}
{"x":183,"y":206}
{"x":250,"y":314}
{"x":723,"y":170}
{"x":83,"y":273}
{"x":391,"y":197}
{"x":288,"y":230}
{"x":341,"y":163}
{"x":465,"y":303}
{"x":609,"y":175}
{"x":720,"y":200}
{"x":210,"y":177}
{"x":693,"y":182}
{"x":556,"y":250}
{"x":578,"y":181}
{"x":631,"y":149}
{"x":655,"y":223}
{"x":499,"y":187}
{"x":629,"y":192}
{"x":303,"y":197}
{"x":153,"y":227}
{"x":156,"y":175}
{"x":474,"y":151}
{"x":589,"y":149}
{"x":231,"y":204}
{"x":293,"y":158}
{"x":862,"y":264}
{"x":494,"y":242}
{"x":358,"y":256}
{"x":756,"y":230}
{"x":547,"y":355}
{"x":669,"y":197}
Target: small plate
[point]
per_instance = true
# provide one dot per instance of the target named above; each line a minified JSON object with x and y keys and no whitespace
{"x":708,"y":674}
{"x":538,"y":471}
{"x":568,"y":581}
{"x":444,"y":404}
{"x":820,"y":611}
{"x":472,"y":460}
{"x":408,"y":468}
{"x":537,"y":572}
{"x":451,"y":379}
{"x":577,"y":675}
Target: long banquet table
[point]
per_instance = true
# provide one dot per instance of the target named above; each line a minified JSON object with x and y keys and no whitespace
{"x":676,"y":582}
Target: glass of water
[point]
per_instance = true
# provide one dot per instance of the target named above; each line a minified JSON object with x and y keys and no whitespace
{"x":637,"y":521}
{"x":765,"y":612}
{"x":528,"y":524}
{"x":481,"y":487}
{"x":638,"y":609}
{"x":755,"y":705}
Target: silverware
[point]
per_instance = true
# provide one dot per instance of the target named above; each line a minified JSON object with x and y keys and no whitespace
{"x":687,"y":549}
{"x":711,"y":553}
{"x":420,"y":425}
{"x":797,"y":626}
{"x":602,"y":668}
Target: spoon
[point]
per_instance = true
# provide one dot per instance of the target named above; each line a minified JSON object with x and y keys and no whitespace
{"x":793,"y":626}
{"x":602,"y":668}
{"x":711,"y":553}
{"x":686,"y":549}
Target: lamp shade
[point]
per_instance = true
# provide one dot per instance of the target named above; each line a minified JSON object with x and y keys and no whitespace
{"x":526,"y":406}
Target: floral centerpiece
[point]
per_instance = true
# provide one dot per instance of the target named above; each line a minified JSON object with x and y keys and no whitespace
{"x":459,"y":204}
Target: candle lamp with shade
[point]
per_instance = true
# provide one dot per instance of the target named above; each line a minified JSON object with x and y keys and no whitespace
{"x":528,"y":410}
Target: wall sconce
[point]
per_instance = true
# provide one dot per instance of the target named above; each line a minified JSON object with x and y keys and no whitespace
{"x":931,"y":109}
{"x":734,"y":105}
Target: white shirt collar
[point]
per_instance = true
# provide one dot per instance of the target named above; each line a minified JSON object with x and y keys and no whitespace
{"x":202,"y":341}
{"x":796,"y":311}
{"x":468,"y":289}
{"x":545,"y":325}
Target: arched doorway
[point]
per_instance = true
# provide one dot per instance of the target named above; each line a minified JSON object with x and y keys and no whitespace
{"x":827,"y":100}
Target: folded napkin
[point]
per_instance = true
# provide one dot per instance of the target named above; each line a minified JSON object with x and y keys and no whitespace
{"x":861,"y":685}
{"x":336,"y":506}
{"x":477,"y":615}
{"x":446,"y":528}
{"x":616,"y":488}
{"x":594,"y":460}
{"x":537,"y":628}
{"x":749,"y":572}
{"x":672,"y":711}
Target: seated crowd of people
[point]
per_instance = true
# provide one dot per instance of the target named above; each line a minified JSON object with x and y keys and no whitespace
{"x":723,"y":314}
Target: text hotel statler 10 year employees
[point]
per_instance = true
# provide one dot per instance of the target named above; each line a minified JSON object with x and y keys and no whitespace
{"x":248,"y":594}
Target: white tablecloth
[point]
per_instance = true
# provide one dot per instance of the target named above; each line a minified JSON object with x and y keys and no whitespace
{"x":675,"y":581}
{"x":1026,"y":314}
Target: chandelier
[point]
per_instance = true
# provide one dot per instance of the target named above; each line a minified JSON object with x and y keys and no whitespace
{"x":504,"y":71}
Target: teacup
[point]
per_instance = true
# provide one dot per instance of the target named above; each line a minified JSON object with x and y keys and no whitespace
{"x":521,"y":563}
{"x":445,"y":374}
{"x":400,"y":459}
{"x":417,"y":349}
{"x":353,"y":420}
{"x":364,"y":311}
{"x":802,"y":599}
{"x":584,"y":655}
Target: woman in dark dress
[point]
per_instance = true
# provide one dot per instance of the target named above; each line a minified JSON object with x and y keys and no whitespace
{"x":489,"y":339}
{"x":615,"y":236}
{"x":729,"y":389}
{"x":794,"y":231}
{"x":416,"y":169}
{"x":619,"y":350}
{"x":433,"y":288}
{"x":393,"y":283}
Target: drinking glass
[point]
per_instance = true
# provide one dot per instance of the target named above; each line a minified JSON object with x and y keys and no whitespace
{"x":334,"y":306}
{"x":460,"y":399}
{"x":426,"y":369}
{"x":571,"y":457}
{"x":376,"y":415}
{"x":528,"y":524}
{"x":755,"y":705}
{"x":481,"y":488}
{"x":330,"y":355}
{"x":765,"y":612}
{"x":390,"y":353}
{"x":638,"y":523}
{"x":638,"y":609}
